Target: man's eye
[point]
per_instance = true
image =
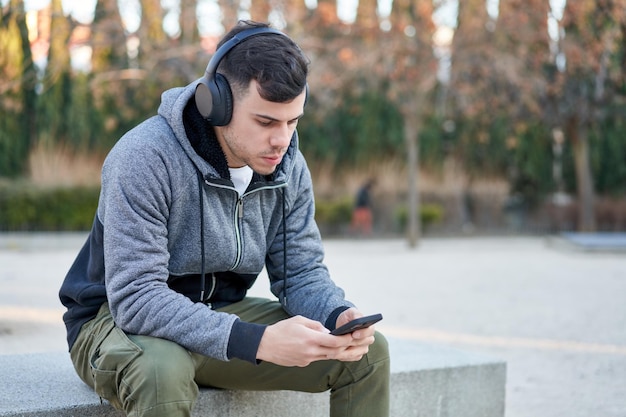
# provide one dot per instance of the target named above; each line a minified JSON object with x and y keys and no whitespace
{"x":265,"y":123}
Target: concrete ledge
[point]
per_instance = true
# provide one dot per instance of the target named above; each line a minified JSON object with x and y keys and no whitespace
{"x":599,"y":242}
{"x":426,"y":380}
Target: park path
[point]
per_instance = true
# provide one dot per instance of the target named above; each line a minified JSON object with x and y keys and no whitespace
{"x":557,"y":316}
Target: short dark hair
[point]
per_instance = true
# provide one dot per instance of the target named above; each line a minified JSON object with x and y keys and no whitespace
{"x":274,"y":61}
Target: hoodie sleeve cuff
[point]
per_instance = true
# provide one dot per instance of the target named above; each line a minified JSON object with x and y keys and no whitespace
{"x":244,"y":341}
{"x":331,"y":321}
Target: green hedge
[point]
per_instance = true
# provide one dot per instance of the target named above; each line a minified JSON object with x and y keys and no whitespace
{"x":337,"y":213}
{"x":30,"y":208}
{"x":334,"y":212}
{"x":429,"y":214}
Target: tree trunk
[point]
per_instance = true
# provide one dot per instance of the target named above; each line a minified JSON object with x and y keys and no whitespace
{"x":584,"y":179}
{"x":56,"y":98}
{"x":260,"y":10}
{"x":229,"y":13}
{"x":152,"y":36}
{"x":411,"y":130}
{"x":108,"y":38}
{"x":188,"y":21}
{"x":29,"y":80}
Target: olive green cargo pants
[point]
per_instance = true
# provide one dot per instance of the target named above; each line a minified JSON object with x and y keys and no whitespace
{"x":148,"y":376}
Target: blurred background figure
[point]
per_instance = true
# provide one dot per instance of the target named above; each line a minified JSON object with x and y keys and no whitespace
{"x":362,"y":213}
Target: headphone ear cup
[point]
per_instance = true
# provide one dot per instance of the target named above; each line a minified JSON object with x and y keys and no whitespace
{"x":214,"y":100}
{"x":204,"y":98}
{"x":222,"y":109}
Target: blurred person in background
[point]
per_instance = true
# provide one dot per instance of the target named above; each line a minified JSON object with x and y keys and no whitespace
{"x":362,"y":217}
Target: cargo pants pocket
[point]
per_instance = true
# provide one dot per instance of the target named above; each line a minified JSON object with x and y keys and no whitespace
{"x":108,"y":362}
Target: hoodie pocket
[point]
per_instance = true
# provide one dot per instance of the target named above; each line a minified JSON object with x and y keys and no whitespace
{"x":108,"y":363}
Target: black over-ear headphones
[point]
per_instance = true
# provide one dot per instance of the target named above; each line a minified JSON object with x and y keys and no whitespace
{"x":214,"y":97}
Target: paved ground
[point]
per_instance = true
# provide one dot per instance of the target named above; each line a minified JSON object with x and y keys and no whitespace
{"x":557,"y":315}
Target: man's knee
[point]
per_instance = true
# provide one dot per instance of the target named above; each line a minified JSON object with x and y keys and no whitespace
{"x":374,"y":364}
{"x":379,"y":350}
{"x":161,"y":378}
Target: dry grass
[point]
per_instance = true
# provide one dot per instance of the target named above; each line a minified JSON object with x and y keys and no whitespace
{"x":392,"y":179}
{"x":59,"y":166}
{"x":447,"y":187}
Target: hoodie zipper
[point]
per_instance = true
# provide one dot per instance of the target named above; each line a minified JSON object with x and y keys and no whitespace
{"x":238,"y":220}
{"x":211,"y":291}
{"x":238,"y":215}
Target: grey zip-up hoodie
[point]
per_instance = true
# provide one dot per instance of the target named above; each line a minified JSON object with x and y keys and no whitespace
{"x":161,"y":203}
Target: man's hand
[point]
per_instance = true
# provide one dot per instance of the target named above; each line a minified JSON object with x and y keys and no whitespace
{"x":298,"y":341}
{"x":360,"y":338}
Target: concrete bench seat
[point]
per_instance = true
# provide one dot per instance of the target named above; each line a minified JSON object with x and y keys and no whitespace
{"x":426,"y":380}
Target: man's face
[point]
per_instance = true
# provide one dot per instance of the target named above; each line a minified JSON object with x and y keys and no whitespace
{"x":260,"y":131}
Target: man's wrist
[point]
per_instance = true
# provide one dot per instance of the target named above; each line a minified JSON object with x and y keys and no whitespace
{"x":331,"y":321}
{"x":244,"y":340}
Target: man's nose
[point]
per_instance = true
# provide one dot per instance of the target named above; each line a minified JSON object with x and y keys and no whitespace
{"x":281,"y":136}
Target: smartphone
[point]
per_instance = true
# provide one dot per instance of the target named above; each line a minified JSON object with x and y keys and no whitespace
{"x":356,"y":324}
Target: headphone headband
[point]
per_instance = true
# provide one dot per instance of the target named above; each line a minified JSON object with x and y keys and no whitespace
{"x":221,"y":52}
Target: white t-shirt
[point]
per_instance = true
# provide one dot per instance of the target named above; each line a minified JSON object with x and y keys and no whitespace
{"x":241,"y":178}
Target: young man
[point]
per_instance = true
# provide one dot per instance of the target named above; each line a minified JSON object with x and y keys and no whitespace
{"x":195,"y":202}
